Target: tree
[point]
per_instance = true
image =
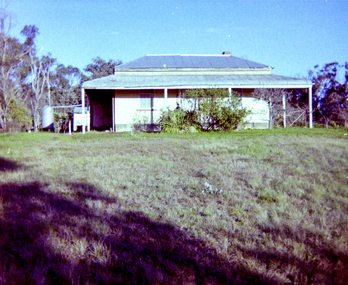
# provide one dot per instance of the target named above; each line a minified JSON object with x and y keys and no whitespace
{"x":12,"y":65}
{"x":40,"y":84}
{"x":330,"y":94}
{"x":66,"y":85}
{"x":65,"y":90}
{"x":100,"y":68}
{"x":19,"y":115}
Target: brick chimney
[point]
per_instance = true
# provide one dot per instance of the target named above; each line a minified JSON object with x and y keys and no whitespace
{"x":227,"y":53}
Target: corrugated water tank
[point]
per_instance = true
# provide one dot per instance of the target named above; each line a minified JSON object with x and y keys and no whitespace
{"x":47,"y":117}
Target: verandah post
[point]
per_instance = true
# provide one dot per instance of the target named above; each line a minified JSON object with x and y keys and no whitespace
{"x":83,"y":109}
{"x":165,"y":97}
{"x":284,"y":108}
{"x":310,"y":107}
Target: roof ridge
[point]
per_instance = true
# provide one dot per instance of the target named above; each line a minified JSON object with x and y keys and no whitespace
{"x":222,"y":55}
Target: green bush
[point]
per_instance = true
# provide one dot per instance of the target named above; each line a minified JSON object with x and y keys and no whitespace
{"x":208,"y":110}
{"x":61,"y":122}
{"x":176,"y":121}
{"x":20,"y":116}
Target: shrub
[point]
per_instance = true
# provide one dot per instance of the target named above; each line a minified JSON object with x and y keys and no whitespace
{"x":61,"y":122}
{"x":176,"y":121}
{"x":232,"y":115}
{"x":207,"y":110}
{"x":20,"y":116}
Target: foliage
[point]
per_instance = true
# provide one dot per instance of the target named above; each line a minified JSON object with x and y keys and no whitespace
{"x":100,"y":68}
{"x":61,"y":122}
{"x":205,"y":110}
{"x":216,"y":109}
{"x":13,"y":64}
{"x":20,"y":115}
{"x":66,"y":85}
{"x":177,"y":121}
{"x":330,"y":94}
{"x":34,"y":80}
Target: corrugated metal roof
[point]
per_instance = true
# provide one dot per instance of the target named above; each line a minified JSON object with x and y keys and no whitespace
{"x":134,"y":80}
{"x":189,"y":61}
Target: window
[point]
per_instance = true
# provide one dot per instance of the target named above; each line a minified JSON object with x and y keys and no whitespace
{"x":146,"y":99}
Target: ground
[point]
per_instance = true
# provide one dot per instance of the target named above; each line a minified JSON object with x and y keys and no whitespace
{"x":247,"y":207}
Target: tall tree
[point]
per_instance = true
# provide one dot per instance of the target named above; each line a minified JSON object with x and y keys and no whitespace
{"x":101,"y":68}
{"x":330,"y":94}
{"x":12,"y":63}
{"x":65,"y":85}
{"x":40,"y":84}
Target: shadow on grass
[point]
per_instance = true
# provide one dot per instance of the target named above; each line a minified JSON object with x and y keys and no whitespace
{"x":8,"y":165}
{"x":83,"y":237}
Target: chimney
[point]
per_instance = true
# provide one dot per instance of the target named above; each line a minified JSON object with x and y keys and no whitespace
{"x":227,"y":53}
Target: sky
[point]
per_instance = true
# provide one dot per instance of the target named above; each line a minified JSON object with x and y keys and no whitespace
{"x":292,"y":36}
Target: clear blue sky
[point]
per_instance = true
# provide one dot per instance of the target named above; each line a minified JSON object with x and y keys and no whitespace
{"x":291,"y":36}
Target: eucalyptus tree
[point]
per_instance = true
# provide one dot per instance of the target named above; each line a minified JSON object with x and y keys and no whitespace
{"x":100,"y":68}
{"x":13,"y":65}
{"x":330,"y":93}
{"x":65,"y":85}
{"x":39,"y":76}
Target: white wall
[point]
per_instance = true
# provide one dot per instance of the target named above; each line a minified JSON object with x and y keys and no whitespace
{"x":127,"y":111}
{"x":259,"y":108}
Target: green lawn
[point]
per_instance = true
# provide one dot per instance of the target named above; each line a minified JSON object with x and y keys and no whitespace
{"x":247,"y":207}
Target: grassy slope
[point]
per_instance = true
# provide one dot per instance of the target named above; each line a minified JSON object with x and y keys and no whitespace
{"x":132,"y":209}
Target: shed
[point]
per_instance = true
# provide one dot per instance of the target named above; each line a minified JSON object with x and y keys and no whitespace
{"x":141,"y":88}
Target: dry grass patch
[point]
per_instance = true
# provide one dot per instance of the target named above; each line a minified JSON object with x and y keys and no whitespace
{"x":265,"y":207}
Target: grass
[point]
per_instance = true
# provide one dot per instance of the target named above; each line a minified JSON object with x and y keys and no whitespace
{"x":106,"y":208}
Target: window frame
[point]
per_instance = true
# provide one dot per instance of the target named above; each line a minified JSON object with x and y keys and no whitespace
{"x":145,"y":104}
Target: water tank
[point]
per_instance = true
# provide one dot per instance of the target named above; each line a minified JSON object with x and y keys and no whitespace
{"x":47,"y":117}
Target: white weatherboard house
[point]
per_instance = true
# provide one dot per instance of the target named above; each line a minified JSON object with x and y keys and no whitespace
{"x":145,"y":86}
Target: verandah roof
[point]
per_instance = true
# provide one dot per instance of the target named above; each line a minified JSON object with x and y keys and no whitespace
{"x":132,"y":80}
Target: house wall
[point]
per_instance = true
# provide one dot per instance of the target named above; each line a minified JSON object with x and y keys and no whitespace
{"x":127,"y":109}
{"x":259,"y":118}
{"x":128,"y":113}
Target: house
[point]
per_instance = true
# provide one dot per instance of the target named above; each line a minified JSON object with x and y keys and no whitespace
{"x":140,"y":89}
